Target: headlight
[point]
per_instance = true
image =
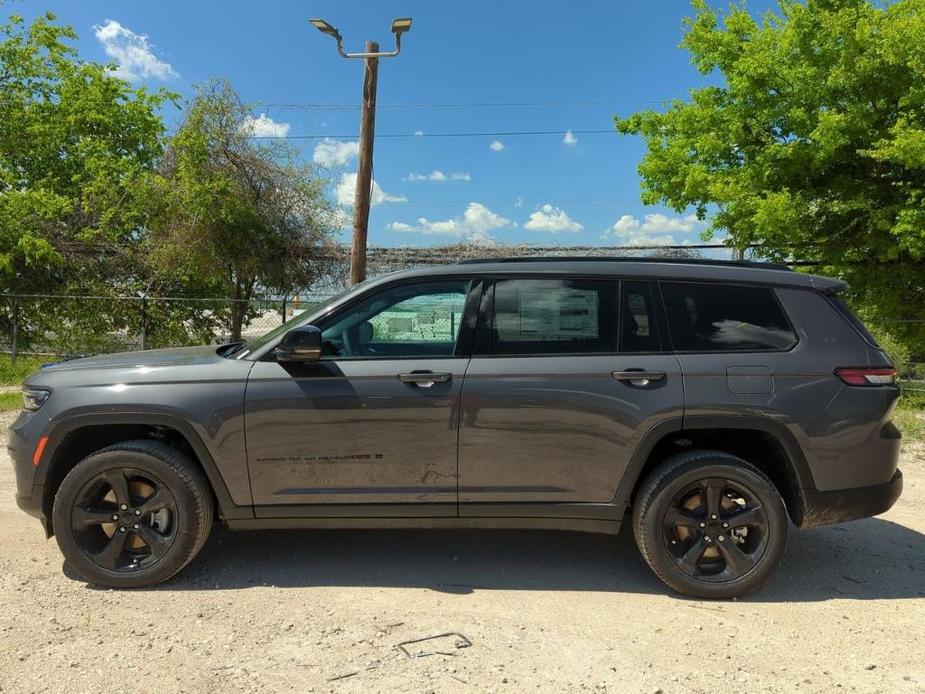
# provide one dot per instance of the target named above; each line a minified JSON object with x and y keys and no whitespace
{"x":33,"y":398}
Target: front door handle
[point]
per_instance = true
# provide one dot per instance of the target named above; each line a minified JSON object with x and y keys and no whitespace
{"x":639,"y":377}
{"x":424,"y":379}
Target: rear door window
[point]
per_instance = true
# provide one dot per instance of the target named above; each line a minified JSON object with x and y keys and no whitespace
{"x":705,"y":317}
{"x":553,"y":316}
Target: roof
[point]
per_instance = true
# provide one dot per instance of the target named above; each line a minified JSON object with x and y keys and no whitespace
{"x":625,"y":259}
{"x":739,"y":272}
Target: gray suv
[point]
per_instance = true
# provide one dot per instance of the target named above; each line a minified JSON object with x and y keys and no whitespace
{"x":710,"y":404}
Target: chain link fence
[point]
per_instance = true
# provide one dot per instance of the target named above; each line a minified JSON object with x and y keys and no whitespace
{"x":69,"y":326}
{"x":72,"y":325}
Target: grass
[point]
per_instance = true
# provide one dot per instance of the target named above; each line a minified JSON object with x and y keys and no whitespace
{"x":13,"y":375}
{"x":910,"y":415}
{"x":10,"y":401}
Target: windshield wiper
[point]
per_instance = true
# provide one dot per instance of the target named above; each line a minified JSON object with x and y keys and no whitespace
{"x":232,"y":349}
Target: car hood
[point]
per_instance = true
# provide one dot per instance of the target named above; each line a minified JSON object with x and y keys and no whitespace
{"x":182,"y":356}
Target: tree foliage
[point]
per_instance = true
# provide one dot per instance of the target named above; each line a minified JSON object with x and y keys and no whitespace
{"x":96,"y":199}
{"x":236,"y":215}
{"x":812,"y":145}
{"x":76,"y":145}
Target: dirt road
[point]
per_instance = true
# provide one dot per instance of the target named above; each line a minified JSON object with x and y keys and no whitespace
{"x":557,"y":612}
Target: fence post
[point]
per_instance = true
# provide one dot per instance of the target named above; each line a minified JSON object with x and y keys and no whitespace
{"x":144,"y":321}
{"x":14,"y":348}
{"x":285,"y":297}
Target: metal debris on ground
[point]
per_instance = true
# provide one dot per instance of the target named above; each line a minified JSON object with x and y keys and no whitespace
{"x":440,"y":644}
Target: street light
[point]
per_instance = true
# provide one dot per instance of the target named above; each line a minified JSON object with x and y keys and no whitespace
{"x":400,"y":26}
{"x":325,"y":28}
{"x":367,"y":130}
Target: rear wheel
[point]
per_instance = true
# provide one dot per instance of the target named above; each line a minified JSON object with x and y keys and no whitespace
{"x":710,"y":524}
{"x":132,"y":514}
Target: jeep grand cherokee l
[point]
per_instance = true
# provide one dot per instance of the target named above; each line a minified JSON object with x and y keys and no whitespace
{"x":710,"y":404}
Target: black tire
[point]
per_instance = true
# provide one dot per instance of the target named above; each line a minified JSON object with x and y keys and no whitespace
{"x":703,"y":554}
{"x":154,"y":536}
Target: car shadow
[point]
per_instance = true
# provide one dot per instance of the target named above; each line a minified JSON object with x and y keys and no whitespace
{"x":864,"y":560}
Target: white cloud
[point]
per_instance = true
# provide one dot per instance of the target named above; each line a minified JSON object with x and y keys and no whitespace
{"x":496,"y":146}
{"x":132,"y":52}
{"x":399,"y":226}
{"x":346,"y":192}
{"x":654,"y":229}
{"x":656,"y":223}
{"x":519,"y":202}
{"x":330,"y":152}
{"x":264,"y":126}
{"x":569,"y":138}
{"x":474,"y":224}
{"x":438,"y":176}
{"x":554,"y":219}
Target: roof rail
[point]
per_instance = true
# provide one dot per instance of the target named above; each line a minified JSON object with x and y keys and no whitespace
{"x":625,"y":259}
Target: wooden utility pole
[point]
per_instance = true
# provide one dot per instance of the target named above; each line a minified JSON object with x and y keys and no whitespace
{"x":364,"y":167}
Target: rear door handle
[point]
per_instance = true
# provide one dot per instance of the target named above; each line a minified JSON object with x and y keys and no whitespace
{"x":638,"y":377}
{"x":424,"y":379}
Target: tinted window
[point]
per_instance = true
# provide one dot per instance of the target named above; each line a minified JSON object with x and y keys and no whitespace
{"x":555,"y":316}
{"x":638,"y":330}
{"x":716,"y":318}
{"x":408,"y":320}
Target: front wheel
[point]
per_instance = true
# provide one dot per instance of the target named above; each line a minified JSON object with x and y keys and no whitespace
{"x":132,"y":514}
{"x":710,"y":525}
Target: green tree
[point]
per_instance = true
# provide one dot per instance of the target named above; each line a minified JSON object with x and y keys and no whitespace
{"x":76,"y":144}
{"x":236,"y":215}
{"x":812,"y":145}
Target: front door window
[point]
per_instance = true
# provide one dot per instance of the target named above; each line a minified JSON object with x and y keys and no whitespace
{"x":420,"y":319}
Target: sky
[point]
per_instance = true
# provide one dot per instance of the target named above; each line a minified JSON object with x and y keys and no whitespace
{"x":481,"y":66}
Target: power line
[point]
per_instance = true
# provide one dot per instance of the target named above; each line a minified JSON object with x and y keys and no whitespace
{"x":527,"y":203}
{"x":482,"y":104}
{"x":509,"y":133}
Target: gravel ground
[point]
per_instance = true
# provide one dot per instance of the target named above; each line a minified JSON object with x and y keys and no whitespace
{"x":544,"y":611}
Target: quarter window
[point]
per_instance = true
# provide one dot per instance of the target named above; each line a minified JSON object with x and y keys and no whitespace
{"x":723,"y":318}
{"x":553,"y":316}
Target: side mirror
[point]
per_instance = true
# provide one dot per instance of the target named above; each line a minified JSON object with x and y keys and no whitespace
{"x":300,"y":344}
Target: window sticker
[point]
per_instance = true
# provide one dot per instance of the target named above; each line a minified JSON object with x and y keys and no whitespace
{"x":558,"y":314}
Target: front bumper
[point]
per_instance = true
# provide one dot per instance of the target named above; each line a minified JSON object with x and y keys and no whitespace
{"x":840,"y":505}
{"x":31,"y":503}
{"x":22,"y":439}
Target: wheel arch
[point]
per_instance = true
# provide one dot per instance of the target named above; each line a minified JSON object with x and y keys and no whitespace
{"x":72,"y":439}
{"x":765,"y":443}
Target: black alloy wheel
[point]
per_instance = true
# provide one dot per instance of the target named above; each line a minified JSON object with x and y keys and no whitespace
{"x":716,"y":530}
{"x":710,"y":524}
{"x":132,"y":514}
{"x":124,"y":519}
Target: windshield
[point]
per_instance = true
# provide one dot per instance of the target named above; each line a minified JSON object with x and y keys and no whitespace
{"x":301,"y":319}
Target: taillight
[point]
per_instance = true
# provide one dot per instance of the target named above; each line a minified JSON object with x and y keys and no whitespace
{"x":855,"y":376}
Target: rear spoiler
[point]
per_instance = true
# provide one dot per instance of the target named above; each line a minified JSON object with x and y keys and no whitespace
{"x":828,"y":285}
